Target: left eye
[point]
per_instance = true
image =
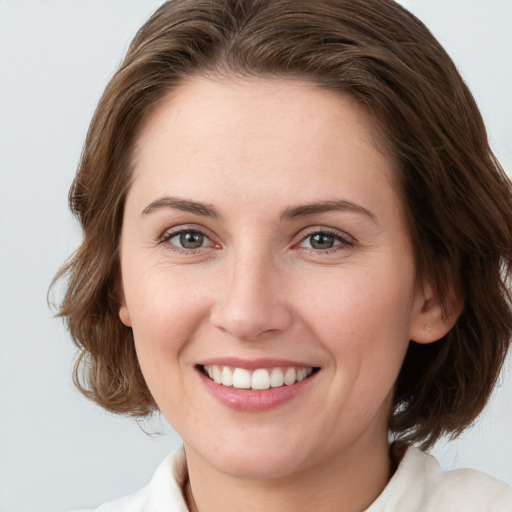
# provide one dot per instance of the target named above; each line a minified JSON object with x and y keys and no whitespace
{"x":189,"y":239}
{"x":321,"y":241}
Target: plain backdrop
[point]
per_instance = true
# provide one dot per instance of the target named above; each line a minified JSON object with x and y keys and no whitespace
{"x":57,"y":451}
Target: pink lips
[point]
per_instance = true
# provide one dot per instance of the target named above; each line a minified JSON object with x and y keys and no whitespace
{"x":248,"y":400}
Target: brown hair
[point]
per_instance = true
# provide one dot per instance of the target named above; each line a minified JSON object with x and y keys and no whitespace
{"x":457,"y":199}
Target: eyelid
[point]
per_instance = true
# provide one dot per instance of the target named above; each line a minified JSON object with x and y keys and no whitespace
{"x":170,"y":233}
{"x":345,"y":239}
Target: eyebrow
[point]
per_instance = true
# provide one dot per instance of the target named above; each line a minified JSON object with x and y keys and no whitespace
{"x":208,"y":210}
{"x":205,"y":210}
{"x":326,"y":206}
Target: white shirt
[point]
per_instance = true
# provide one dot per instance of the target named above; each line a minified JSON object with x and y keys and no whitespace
{"x":418,"y":485}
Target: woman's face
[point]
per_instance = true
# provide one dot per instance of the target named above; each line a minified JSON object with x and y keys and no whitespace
{"x":264,"y":243}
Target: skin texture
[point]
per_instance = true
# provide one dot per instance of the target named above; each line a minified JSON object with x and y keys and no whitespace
{"x":255,"y":288}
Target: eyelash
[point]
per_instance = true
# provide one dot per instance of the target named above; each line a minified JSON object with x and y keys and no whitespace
{"x":169,"y":235}
{"x":342,"y":241}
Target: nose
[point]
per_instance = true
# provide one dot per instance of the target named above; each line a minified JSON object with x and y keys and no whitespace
{"x":251,"y":300}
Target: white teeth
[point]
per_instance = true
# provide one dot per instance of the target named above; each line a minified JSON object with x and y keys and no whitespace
{"x":301,"y":374}
{"x":276,"y":378}
{"x":227,"y":376}
{"x":217,"y":375}
{"x":259,"y":379}
{"x":241,"y":378}
{"x":290,"y":376}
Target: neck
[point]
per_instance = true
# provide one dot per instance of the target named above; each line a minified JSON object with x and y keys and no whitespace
{"x":348,"y":484}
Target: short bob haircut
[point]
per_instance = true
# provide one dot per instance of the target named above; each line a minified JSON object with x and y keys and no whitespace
{"x":456,"y":198}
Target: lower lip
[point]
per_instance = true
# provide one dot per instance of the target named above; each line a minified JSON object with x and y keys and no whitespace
{"x":246,"y":400}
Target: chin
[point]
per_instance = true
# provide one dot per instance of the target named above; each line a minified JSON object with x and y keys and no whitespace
{"x":258,"y":461}
{"x":260,"y":468}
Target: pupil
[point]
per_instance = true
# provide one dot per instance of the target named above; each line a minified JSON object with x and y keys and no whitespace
{"x":191,"y":240}
{"x":322,"y":241}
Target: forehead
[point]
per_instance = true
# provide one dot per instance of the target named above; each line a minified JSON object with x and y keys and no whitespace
{"x":237,"y":118}
{"x":249,"y":101}
{"x":244,"y":138}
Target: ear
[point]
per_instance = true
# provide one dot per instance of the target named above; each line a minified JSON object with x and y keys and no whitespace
{"x":124,"y":314}
{"x":429,"y":321}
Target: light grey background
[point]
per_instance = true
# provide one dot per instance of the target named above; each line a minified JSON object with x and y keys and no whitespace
{"x":57,"y":451}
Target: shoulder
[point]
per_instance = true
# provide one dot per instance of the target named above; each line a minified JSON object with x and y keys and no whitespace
{"x":162,"y":493}
{"x":420,"y":484}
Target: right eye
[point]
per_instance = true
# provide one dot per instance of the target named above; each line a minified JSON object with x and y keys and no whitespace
{"x":188,"y":239}
{"x":321,"y":241}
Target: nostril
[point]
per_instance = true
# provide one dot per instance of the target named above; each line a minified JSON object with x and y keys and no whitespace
{"x":251,"y":325}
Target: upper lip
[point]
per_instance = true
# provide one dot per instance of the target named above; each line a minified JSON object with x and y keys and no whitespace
{"x":254,"y":364}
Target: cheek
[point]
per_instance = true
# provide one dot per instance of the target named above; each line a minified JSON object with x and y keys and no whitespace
{"x":364,"y":323}
{"x":165,"y":318}
{"x":165,"y":313}
{"x":356,"y":302}
{"x":164,"y":323}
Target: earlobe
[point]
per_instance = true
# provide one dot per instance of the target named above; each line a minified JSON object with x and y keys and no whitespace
{"x":124,"y":314}
{"x":430,"y":321}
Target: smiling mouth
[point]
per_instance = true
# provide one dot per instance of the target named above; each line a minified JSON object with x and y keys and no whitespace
{"x":256,"y":380}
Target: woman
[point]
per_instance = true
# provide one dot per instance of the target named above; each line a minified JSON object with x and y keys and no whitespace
{"x":296,"y":241}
